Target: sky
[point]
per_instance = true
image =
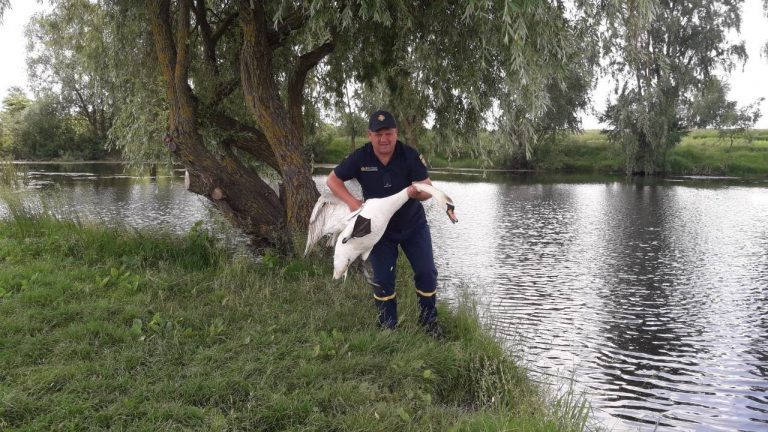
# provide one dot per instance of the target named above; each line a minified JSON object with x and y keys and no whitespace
{"x":746,"y":85}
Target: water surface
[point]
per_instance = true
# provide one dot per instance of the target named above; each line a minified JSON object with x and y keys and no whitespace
{"x":650,"y":295}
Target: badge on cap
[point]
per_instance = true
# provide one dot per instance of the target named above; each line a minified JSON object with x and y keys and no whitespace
{"x":381,"y":117}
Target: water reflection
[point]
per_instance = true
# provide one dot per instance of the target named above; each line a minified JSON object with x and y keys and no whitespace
{"x":115,"y":195}
{"x":651,"y":295}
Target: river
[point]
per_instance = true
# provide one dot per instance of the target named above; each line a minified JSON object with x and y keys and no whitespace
{"x":649,"y":296}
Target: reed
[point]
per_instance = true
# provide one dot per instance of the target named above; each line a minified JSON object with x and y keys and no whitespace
{"x":11,"y":175}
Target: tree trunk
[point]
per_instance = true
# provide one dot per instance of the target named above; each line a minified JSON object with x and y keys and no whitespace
{"x":410,"y":124}
{"x":261,"y":94}
{"x":243,"y":197}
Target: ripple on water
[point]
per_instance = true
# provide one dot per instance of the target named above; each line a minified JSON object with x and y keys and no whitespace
{"x":652,"y":298}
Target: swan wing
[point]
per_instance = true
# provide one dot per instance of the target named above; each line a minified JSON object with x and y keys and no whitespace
{"x":329,"y":216}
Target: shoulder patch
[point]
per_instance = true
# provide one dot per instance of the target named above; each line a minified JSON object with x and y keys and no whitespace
{"x":421,"y":158}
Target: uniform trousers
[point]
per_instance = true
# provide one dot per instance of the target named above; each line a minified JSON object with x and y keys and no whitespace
{"x":417,"y":246}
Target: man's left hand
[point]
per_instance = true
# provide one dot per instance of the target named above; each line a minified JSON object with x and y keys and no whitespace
{"x":412,"y":192}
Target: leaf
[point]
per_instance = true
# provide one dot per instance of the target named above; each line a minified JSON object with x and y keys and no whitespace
{"x":403,"y":414}
{"x":155,"y":324}
{"x":136,"y":326}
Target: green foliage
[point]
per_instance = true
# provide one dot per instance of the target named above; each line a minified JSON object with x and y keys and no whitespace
{"x":318,"y":136}
{"x":701,"y":152}
{"x":588,"y":152}
{"x":67,"y":56}
{"x":664,"y":58}
{"x":43,"y":129}
{"x":709,"y":153}
{"x":473,"y":66}
{"x":15,"y":105}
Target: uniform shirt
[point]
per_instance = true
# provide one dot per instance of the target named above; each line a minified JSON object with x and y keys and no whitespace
{"x":378,"y":180}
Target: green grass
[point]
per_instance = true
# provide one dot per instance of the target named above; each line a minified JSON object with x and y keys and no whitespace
{"x":125,"y":330}
{"x":701,"y":152}
{"x":587,"y":152}
{"x":705,"y":152}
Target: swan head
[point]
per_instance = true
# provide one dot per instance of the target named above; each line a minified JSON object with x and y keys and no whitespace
{"x":449,"y":210}
{"x":444,"y":200}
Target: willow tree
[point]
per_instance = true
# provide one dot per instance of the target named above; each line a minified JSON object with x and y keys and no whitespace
{"x":65,"y":56}
{"x":521,"y":69}
{"x":468,"y":55}
{"x":223,"y":85}
{"x":663,"y":54}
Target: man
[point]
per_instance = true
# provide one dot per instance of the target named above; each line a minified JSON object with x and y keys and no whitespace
{"x":385,"y":166}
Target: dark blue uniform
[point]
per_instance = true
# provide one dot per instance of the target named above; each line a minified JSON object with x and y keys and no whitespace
{"x":408,"y":228}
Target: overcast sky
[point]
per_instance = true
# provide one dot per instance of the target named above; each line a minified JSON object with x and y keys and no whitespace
{"x":746,"y":85}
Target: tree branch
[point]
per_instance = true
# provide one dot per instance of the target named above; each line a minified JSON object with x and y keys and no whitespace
{"x":223,"y":27}
{"x":298,"y":78}
{"x":159,"y":16}
{"x":182,"y":44}
{"x":257,"y":146}
{"x":294,"y":21}
{"x":209,"y":46}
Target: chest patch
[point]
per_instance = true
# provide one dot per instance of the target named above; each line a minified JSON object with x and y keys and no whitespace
{"x":369,"y":168}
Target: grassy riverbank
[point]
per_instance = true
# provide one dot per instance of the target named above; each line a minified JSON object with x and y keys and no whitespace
{"x":701,"y":152}
{"x":118,"y":329}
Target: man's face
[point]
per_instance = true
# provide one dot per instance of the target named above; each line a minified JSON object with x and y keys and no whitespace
{"x":383,"y":141}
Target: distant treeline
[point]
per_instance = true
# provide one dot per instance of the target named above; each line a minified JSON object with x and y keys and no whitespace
{"x":44,"y":130}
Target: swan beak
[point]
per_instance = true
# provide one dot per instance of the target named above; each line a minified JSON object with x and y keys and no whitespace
{"x":451,"y":214}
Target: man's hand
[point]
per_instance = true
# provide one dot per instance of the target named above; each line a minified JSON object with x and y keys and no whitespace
{"x":354,"y":205}
{"x":415,"y":194}
{"x":336,"y":185}
{"x":412,"y":192}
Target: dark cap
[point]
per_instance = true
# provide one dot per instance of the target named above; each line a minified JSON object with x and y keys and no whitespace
{"x":381,"y":120}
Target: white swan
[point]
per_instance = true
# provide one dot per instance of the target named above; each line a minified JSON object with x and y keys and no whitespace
{"x":329,"y":217}
{"x":364,"y":228}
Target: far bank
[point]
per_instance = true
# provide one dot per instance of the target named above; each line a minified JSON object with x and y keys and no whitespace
{"x":701,"y":152}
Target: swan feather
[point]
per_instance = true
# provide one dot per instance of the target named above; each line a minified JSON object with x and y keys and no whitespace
{"x":377,"y":212}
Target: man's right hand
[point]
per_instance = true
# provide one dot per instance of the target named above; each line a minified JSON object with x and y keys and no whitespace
{"x":336,"y":185}
{"x":354,"y":205}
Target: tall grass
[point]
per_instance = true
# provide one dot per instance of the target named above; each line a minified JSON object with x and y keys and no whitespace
{"x":117,"y":329}
{"x":11,"y":175}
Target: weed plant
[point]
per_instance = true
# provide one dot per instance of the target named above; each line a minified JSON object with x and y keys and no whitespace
{"x":137,"y":330}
